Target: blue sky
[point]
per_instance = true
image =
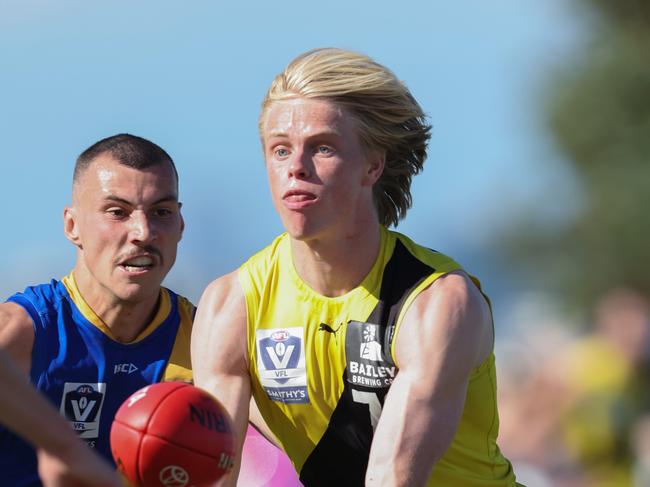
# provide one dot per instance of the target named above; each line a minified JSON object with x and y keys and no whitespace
{"x":191,"y":75}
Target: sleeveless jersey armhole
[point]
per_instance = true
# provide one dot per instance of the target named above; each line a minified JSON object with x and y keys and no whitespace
{"x":179,"y":366}
{"x":416,"y":292}
{"x":407,"y":304}
{"x":246,"y":283}
{"x":29,"y":307}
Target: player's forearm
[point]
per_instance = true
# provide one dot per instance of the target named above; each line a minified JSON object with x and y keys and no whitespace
{"x":413,"y":433}
{"x":28,"y":414}
{"x":233,"y":391}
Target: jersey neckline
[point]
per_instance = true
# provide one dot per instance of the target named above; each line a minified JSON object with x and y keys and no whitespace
{"x":369,"y":285}
{"x":164,"y":308}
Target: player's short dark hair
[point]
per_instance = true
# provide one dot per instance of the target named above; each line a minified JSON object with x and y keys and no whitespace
{"x":129,"y":150}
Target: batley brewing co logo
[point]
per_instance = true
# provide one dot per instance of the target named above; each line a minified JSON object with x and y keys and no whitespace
{"x":281,"y":364}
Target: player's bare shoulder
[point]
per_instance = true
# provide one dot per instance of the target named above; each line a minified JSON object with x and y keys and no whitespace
{"x":458,"y":289}
{"x":220,"y":324}
{"x":452,"y":311}
{"x":224,"y":295}
{"x":16,"y":333}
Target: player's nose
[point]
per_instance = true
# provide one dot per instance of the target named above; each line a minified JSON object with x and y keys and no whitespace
{"x":299,"y":165}
{"x":142,"y":229}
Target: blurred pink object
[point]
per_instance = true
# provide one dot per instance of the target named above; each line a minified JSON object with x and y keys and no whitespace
{"x":265,"y":465}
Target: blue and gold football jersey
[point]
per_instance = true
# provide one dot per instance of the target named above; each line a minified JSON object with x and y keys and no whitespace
{"x":87,"y":374}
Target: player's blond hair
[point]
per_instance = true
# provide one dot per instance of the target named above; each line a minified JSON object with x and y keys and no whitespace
{"x":388,"y":117}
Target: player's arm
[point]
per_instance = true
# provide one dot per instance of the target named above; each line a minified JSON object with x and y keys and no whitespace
{"x":63,"y":458}
{"x":16,"y":335}
{"x":219,"y":353}
{"x":255,"y":418}
{"x":445,"y":334}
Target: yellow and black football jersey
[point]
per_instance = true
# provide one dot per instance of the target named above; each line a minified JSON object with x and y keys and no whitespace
{"x":321,"y":366}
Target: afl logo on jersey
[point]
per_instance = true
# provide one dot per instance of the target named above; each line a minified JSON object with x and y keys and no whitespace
{"x":81,"y":404}
{"x":280,"y":336}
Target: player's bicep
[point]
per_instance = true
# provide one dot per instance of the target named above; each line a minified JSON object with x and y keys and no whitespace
{"x":16,"y":334}
{"x":445,"y":334}
{"x":219,"y":331}
{"x":218,"y":346}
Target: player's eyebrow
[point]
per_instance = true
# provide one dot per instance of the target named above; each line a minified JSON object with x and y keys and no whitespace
{"x":165,"y":199}
{"x":277,"y":133}
{"x":315,"y":135}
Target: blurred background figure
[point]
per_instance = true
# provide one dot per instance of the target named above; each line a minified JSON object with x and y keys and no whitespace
{"x":607,"y":388}
{"x":575,"y":405}
{"x":641,"y":448}
{"x":579,"y":414}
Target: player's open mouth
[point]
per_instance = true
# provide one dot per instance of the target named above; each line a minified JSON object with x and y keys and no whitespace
{"x":298,"y":199}
{"x":138,"y":264}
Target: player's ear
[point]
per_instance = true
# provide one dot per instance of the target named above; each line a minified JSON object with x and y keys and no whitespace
{"x":70,"y":225}
{"x":375,"y":162}
{"x":180,"y":205}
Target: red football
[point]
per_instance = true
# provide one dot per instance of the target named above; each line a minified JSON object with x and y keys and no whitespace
{"x":172,"y":434}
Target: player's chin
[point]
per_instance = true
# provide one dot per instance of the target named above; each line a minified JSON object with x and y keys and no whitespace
{"x":139,"y":290}
{"x":301,"y":229}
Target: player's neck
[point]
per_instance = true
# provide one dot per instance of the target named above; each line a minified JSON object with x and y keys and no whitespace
{"x":125,"y":319}
{"x":333,"y":267}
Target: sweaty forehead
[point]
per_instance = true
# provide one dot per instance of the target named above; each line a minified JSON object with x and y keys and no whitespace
{"x":304,"y":115}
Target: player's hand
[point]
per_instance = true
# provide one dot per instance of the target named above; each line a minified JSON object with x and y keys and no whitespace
{"x":81,"y":468}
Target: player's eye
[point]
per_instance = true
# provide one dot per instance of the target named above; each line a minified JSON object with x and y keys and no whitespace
{"x":281,"y":152}
{"x":162,"y":212}
{"x":324,"y":149}
{"x":116,"y":212}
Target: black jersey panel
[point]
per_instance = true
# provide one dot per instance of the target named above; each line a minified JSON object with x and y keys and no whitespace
{"x":341,"y":456}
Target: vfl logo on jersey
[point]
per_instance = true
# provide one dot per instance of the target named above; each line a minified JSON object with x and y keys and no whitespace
{"x":280,"y":352}
{"x":281,"y":364}
{"x":81,"y":404}
{"x":366,"y":366}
